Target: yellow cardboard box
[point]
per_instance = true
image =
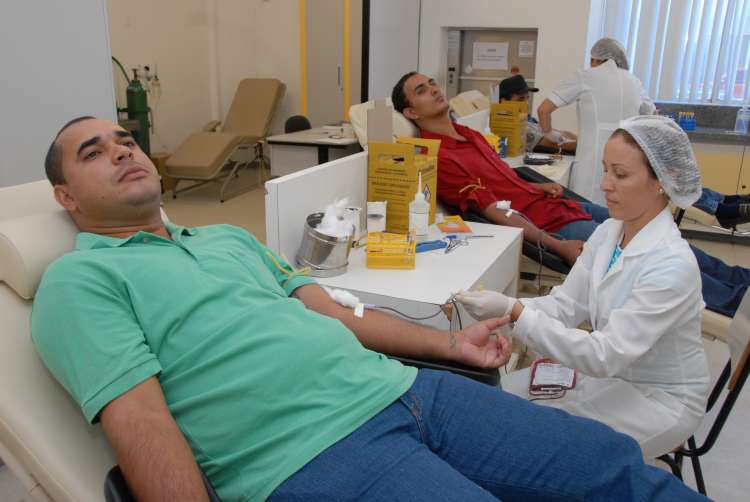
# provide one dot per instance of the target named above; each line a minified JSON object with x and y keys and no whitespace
{"x":508,"y":119}
{"x":395,"y":251}
{"x":392,"y":174}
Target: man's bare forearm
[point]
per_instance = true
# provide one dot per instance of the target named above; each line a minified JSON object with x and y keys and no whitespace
{"x":382,"y":332}
{"x":531,"y":232}
{"x":150,"y":448}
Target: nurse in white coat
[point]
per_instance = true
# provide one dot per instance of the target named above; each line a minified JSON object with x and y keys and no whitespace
{"x":642,"y":370}
{"x":605,"y":94}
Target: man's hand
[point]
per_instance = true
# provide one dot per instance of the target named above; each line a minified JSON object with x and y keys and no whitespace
{"x":554,"y":190}
{"x":569,"y":250}
{"x":477,"y":346}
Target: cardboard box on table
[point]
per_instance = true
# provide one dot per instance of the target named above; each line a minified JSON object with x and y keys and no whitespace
{"x":393,"y":175}
{"x":508,"y":119}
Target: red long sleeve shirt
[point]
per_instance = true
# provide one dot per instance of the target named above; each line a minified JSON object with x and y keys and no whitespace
{"x":470,"y":174}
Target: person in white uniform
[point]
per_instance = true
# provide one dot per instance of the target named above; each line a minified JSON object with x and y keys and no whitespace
{"x":642,"y":370}
{"x":604,"y":94}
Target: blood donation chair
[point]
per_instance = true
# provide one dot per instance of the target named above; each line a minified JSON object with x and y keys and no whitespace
{"x":552,"y":265}
{"x":469,"y":102}
{"x":213,"y":155}
{"x":44,"y":439}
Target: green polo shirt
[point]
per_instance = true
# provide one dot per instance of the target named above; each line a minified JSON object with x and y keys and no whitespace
{"x":258,"y":383}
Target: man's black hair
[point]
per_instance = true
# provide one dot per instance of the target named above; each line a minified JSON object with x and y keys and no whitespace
{"x":53,"y":160}
{"x":398,"y":96}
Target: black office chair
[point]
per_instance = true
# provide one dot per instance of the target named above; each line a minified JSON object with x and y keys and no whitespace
{"x":738,"y":366}
{"x":116,"y":488}
{"x":487,"y":376}
{"x":296,"y":123}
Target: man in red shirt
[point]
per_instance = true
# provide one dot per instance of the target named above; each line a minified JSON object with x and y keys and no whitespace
{"x":471,"y":176}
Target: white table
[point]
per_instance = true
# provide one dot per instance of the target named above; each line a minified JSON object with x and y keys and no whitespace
{"x":558,"y":171}
{"x":300,"y":150}
{"x":492,"y":263}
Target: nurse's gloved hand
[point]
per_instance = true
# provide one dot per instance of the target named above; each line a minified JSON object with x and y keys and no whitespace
{"x":485,"y":304}
{"x":555,"y":137}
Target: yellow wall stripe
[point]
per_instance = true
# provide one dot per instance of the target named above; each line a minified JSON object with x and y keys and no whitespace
{"x":347,"y":49}
{"x":302,"y":59}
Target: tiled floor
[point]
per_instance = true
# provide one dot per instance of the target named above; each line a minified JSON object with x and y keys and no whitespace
{"x":725,"y":467}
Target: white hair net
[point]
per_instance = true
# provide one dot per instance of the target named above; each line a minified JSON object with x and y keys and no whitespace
{"x":609,"y":48}
{"x":670,"y":154}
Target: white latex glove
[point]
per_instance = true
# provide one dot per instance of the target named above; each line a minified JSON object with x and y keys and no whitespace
{"x":485,"y":304}
{"x":555,"y":136}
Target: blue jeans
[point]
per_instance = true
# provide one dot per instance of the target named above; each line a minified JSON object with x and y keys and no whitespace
{"x":709,"y":200}
{"x":581,"y":230}
{"x":449,"y":439}
{"x":723,"y":285}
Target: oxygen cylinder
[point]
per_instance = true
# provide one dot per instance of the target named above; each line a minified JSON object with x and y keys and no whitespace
{"x":138,"y":110}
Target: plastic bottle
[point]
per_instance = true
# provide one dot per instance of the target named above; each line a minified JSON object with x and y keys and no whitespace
{"x":419,"y":212}
{"x":742,"y":121}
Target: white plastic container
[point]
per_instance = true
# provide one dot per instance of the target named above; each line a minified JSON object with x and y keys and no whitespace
{"x":419,"y":212}
{"x":742,"y":121}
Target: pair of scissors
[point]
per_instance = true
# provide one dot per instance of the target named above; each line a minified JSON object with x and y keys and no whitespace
{"x":454,"y":243}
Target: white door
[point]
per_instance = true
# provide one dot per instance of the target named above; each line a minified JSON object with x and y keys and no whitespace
{"x":325,"y":54}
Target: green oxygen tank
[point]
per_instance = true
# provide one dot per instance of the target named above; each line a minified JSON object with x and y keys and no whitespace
{"x":138,"y":110}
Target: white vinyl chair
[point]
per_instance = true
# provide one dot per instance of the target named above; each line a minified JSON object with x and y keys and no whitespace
{"x":358,"y":118}
{"x":469,"y":102}
{"x":44,"y":439}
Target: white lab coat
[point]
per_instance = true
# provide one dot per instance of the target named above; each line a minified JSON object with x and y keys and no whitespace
{"x":605,"y":95}
{"x":642,"y":370}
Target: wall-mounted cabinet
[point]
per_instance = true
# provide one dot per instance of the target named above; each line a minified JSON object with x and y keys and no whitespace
{"x":722,"y":166}
{"x":478,"y":58}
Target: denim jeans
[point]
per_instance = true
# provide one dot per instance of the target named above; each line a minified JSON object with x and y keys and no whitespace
{"x":452,"y":439}
{"x":709,"y":200}
{"x":581,"y":230}
{"x":723,"y":285}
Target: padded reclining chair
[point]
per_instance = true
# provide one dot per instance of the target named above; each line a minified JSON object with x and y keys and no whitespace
{"x":44,"y":439}
{"x":210,"y":155}
{"x":404,"y":127}
{"x":469,"y":102}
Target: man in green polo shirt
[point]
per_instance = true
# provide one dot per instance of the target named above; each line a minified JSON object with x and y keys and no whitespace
{"x":201,"y":344}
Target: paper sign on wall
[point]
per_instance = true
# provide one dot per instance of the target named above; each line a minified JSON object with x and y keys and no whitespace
{"x":490,"y":56}
{"x":526,"y":49}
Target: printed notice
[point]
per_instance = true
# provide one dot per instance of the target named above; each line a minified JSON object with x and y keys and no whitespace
{"x":526,"y":49}
{"x":490,"y":56}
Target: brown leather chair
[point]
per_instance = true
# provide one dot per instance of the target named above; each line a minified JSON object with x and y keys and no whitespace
{"x":214,"y":155}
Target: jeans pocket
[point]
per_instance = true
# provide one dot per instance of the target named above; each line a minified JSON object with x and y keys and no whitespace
{"x":412,"y":403}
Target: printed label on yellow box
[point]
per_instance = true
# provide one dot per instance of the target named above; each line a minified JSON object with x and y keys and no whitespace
{"x":393,"y":175}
